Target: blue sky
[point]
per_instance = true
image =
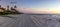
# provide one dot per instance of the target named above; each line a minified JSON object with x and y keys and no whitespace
{"x":34,"y":4}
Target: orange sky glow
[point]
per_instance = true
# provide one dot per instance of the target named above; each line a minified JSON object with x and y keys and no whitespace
{"x":40,"y":11}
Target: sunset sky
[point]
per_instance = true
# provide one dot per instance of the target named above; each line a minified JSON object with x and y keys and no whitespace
{"x":35,"y":6}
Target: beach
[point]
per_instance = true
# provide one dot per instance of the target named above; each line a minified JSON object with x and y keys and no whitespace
{"x":29,"y":20}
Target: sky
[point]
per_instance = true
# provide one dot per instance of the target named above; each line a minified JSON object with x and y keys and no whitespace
{"x":34,"y":6}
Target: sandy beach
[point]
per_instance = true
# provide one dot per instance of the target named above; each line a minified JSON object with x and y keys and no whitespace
{"x":26,"y":20}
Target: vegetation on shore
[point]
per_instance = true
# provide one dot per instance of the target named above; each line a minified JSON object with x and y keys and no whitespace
{"x":9,"y":12}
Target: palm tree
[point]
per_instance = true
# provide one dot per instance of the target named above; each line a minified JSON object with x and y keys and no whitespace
{"x":8,"y":7}
{"x":13,"y":3}
{"x":15,"y":6}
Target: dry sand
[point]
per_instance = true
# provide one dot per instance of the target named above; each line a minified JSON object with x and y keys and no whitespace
{"x":25,"y":20}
